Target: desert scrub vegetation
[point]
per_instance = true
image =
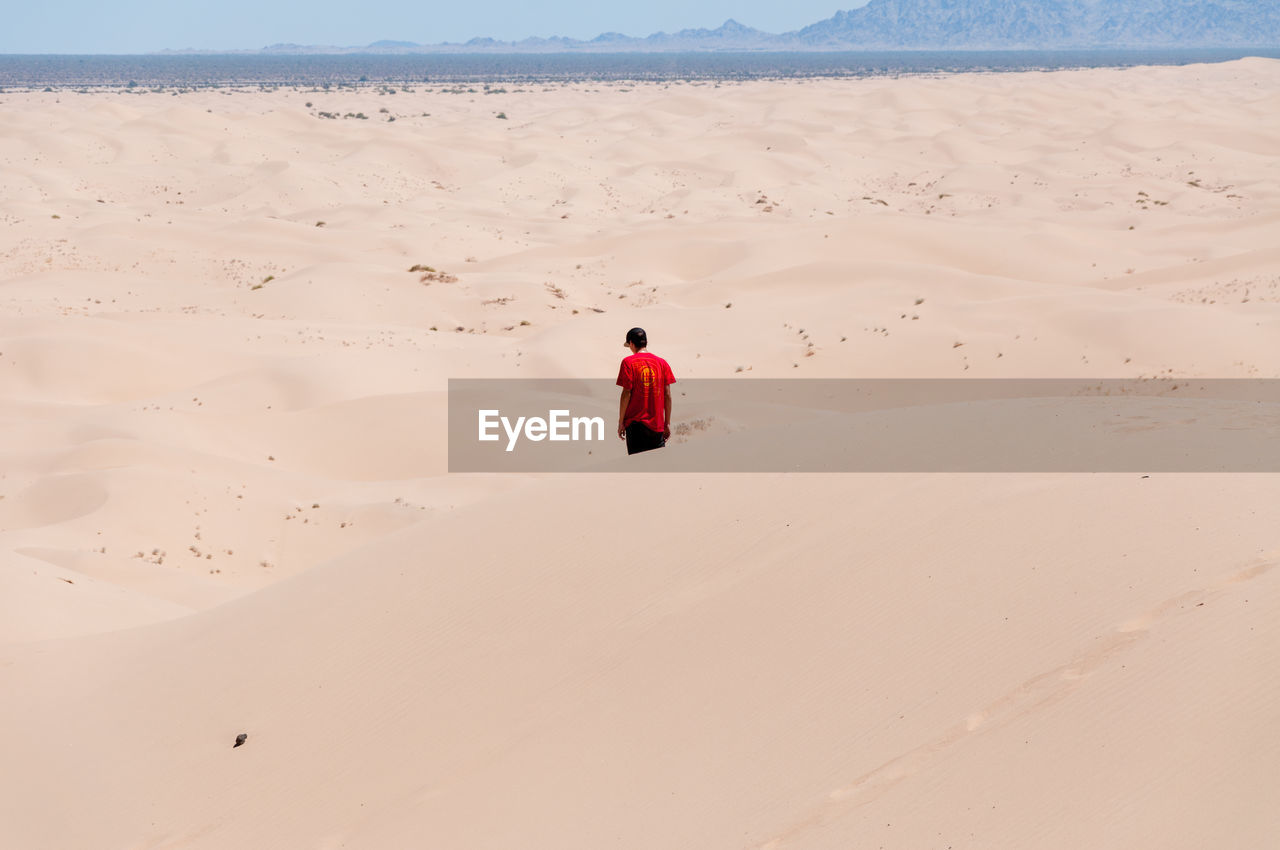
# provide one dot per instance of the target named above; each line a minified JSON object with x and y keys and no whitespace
{"x":432,"y":275}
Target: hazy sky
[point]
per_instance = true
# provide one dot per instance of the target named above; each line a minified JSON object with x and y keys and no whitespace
{"x":141,"y":26}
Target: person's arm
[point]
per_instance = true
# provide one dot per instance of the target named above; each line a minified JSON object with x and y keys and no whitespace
{"x":666,"y":413}
{"x":622,"y":412}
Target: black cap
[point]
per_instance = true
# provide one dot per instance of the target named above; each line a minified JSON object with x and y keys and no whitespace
{"x":636,"y":337}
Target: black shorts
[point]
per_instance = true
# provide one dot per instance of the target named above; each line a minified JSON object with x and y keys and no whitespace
{"x":640,"y":438}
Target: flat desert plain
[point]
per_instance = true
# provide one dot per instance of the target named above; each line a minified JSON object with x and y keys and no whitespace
{"x":225,"y":505}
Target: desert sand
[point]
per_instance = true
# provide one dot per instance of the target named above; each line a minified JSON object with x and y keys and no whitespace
{"x":225,"y":506}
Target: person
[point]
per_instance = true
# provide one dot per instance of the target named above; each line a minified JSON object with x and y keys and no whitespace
{"x":644,"y":410}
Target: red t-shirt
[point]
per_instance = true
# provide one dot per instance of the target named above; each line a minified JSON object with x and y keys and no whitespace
{"x":647,"y":376}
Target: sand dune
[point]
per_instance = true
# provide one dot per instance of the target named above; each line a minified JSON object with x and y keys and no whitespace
{"x":225,"y":505}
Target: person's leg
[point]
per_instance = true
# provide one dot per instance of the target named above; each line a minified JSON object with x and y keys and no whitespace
{"x":642,"y":439}
{"x":635,"y":438}
{"x":649,"y":439}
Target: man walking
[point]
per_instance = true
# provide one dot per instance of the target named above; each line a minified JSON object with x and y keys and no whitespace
{"x":644,"y":411}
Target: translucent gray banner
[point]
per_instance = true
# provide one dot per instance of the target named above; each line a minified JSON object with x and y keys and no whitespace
{"x":876,"y":425}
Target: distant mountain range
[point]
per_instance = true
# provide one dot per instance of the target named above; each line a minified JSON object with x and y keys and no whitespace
{"x":925,"y":24}
{"x":1050,"y":24}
